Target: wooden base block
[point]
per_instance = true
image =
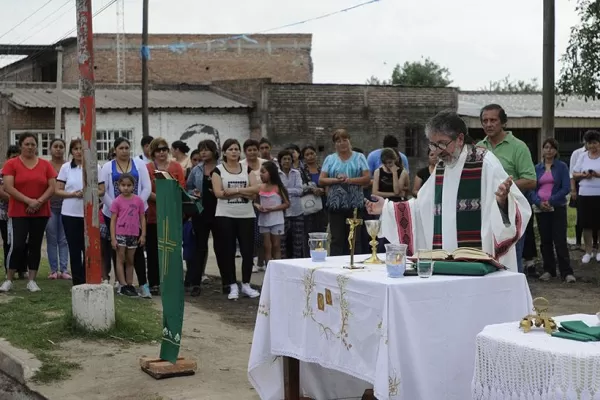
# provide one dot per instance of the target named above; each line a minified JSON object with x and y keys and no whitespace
{"x":160,"y":369}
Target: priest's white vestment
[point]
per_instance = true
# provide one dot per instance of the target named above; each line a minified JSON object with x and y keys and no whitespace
{"x":412,"y":222}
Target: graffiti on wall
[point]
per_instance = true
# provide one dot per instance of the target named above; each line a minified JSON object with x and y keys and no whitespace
{"x":195,"y":133}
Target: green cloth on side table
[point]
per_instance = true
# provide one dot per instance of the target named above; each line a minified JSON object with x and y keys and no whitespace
{"x":462,"y":268}
{"x":578,"y":330}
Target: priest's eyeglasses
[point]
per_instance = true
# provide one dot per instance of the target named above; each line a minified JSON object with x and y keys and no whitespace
{"x":439,"y":146}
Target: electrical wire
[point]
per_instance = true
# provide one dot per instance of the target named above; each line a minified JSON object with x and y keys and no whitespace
{"x":320,"y":17}
{"x":51,"y":22}
{"x":26,"y":18}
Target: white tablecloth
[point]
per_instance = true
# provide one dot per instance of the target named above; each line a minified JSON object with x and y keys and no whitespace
{"x":511,"y":364}
{"x":408,"y":338}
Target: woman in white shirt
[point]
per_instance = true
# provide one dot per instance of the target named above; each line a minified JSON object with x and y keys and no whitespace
{"x":587,"y":172}
{"x":69,"y":187}
{"x":235,"y":188}
{"x":107,"y":182}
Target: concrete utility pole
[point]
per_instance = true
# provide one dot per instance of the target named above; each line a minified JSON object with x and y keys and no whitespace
{"x":548,"y":102}
{"x":87,"y":117}
{"x":145,"y":55}
{"x":59,"y":85}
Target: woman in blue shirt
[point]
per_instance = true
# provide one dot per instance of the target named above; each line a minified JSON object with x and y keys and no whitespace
{"x":345,"y":173}
{"x":549,"y":202}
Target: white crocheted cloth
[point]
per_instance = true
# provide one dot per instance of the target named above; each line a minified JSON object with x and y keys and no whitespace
{"x":513,"y":365}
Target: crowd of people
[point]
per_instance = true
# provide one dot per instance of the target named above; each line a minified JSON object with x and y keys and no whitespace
{"x":262,"y":206}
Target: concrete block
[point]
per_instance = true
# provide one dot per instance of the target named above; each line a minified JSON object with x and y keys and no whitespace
{"x":94,"y":306}
{"x":17,"y":363}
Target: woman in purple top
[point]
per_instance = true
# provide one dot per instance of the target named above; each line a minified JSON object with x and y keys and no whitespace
{"x":549,"y":202}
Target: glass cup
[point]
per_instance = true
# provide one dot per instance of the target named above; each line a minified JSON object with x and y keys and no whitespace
{"x":395,"y":259}
{"x":317,"y":243}
{"x":425,"y":264}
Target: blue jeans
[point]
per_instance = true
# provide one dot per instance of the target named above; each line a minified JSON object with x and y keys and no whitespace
{"x":519,"y":250}
{"x":56,"y":242}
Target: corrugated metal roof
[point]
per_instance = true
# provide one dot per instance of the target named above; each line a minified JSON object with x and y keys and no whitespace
{"x":108,"y":99}
{"x":525,"y":105}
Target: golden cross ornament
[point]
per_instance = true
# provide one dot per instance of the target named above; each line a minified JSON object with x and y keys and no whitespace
{"x":353,"y":222}
{"x":167,"y":246}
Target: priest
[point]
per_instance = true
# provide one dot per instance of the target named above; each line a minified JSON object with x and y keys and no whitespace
{"x":471,"y":202}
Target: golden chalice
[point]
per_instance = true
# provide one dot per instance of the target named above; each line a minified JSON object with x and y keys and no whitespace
{"x":373,"y":227}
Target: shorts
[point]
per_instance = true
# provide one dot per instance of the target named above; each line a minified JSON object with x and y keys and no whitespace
{"x":131,"y":242}
{"x":273,"y":230}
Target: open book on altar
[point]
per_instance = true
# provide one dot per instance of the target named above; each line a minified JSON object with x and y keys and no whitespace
{"x":467,"y":254}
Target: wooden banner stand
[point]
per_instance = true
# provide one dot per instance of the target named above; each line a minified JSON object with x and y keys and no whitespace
{"x":160,"y":369}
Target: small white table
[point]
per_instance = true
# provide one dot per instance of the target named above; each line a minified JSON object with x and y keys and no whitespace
{"x":511,"y":364}
{"x":407,"y":338}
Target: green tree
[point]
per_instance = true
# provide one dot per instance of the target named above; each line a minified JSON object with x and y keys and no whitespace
{"x":507,"y":85}
{"x":580,"y":72}
{"x":421,"y":73}
{"x":373,"y":80}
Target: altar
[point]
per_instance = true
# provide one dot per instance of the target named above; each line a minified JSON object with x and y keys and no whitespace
{"x":406,"y":338}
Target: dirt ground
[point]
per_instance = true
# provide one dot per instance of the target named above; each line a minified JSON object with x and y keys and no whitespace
{"x":217,"y":333}
{"x":580,"y":297}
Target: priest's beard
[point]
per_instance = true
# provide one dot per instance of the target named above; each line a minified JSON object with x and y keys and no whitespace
{"x":450,"y":160}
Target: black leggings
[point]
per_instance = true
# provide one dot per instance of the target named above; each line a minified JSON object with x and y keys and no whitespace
{"x":139,"y":261}
{"x":75,"y":234}
{"x":6,"y":247}
{"x":26,"y":236}
{"x":203,"y":226}
{"x":228,"y":230}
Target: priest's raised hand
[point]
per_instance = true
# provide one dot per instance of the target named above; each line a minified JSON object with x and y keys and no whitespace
{"x":503,"y":191}
{"x":375,"y":205}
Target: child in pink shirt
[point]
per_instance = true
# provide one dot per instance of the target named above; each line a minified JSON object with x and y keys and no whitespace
{"x":128,"y":231}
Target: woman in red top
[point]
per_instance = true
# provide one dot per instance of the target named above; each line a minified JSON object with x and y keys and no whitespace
{"x":159,"y":154}
{"x":29,"y":181}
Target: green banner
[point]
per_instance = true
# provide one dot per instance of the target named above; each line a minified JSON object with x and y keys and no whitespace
{"x":169,"y":225}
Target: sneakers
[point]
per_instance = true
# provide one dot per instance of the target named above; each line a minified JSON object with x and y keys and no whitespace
{"x":262,"y":269}
{"x":586,"y":258}
{"x":598,"y":257}
{"x":196,"y":291}
{"x":145,"y":292}
{"x":129,"y":291}
{"x":254,"y":269}
{"x":205,"y":279}
{"x":66,"y":276}
{"x":234,"y":292}
{"x":53,"y":275}
{"x":105,"y":282}
{"x":248,"y":291}
{"x":570,"y":279}
{"x":545,"y":277}
{"x":33,"y":287}
{"x":6,"y":286}
{"x":155,"y":290}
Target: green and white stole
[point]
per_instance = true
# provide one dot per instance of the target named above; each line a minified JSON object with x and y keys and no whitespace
{"x":468,"y":201}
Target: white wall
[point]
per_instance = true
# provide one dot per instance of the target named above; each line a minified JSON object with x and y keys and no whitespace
{"x":169,"y":125}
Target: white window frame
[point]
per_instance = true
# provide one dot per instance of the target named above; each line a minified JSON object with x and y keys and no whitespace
{"x":43,"y":142}
{"x":103,"y":145}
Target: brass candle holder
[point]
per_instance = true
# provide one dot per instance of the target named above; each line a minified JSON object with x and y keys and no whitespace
{"x":539,"y":319}
{"x":373,"y":227}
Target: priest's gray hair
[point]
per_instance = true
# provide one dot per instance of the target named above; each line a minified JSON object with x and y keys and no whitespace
{"x":448,"y":123}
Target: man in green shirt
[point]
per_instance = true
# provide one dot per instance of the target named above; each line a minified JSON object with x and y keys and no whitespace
{"x":513,"y":153}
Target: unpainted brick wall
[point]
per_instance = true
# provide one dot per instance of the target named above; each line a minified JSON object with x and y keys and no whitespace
{"x":303,"y":114}
{"x":281,"y":57}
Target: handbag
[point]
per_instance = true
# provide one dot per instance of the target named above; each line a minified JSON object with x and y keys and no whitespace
{"x":311,"y":204}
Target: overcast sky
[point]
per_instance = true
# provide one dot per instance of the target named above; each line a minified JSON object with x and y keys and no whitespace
{"x":478,"y":40}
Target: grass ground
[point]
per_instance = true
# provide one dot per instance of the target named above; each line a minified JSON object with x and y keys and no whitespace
{"x":38,"y":322}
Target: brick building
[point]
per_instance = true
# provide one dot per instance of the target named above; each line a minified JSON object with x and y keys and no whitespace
{"x":174,"y":58}
{"x":308,"y":113}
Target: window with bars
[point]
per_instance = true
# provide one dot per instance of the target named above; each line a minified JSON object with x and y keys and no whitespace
{"x":412,"y":135}
{"x":44,"y":137}
{"x":105,"y":139}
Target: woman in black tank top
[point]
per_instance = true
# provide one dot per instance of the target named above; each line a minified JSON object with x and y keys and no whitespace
{"x":390,"y":181}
